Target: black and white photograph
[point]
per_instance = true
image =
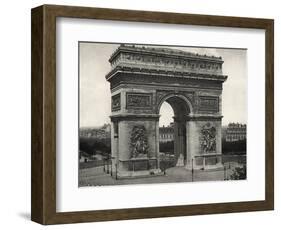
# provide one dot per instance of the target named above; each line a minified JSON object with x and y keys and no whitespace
{"x":135,"y":115}
{"x":161,"y":114}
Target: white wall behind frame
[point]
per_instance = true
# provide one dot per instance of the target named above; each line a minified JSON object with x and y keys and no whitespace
{"x":15,"y":90}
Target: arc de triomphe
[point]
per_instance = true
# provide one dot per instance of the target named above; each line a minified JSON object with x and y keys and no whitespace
{"x":141,"y":79}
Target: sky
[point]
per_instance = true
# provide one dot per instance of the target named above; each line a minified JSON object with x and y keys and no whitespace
{"x":95,"y":95}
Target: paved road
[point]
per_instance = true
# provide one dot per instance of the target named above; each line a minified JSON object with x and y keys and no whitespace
{"x":96,"y":176}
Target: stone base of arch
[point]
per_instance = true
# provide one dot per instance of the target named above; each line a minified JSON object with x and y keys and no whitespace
{"x":139,"y":174}
{"x":188,"y":145}
{"x":205,"y":162}
{"x":199,"y":157}
{"x":125,"y":163}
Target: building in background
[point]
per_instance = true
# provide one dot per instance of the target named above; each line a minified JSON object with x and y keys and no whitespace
{"x":235,"y":132}
{"x":99,"y":133}
{"x":166,"y":133}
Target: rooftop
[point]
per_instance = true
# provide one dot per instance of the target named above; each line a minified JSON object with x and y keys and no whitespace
{"x":163,"y":51}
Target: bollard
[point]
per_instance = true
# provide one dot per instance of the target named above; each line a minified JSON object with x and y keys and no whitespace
{"x":116,"y":172}
{"x":224,"y":172}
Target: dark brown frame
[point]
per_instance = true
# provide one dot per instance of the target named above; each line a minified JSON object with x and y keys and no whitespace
{"x":43,"y":188}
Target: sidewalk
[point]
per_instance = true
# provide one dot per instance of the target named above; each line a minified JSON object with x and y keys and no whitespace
{"x":97,"y":177}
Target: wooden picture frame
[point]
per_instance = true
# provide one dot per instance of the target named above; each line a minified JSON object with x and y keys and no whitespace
{"x":43,"y":202}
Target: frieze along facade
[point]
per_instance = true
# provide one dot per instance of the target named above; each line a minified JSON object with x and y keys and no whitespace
{"x":144,"y":78}
{"x":207,"y":103}
{"x":139,"y":100}
{"x":115,"y":102}
{"x":167,"y":58}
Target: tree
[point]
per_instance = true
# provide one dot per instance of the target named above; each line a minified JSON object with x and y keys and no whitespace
{"x":166,"y":147}
{"x":239,"y":173}
{"x":94,"y":145}
{"x":234,"y":146}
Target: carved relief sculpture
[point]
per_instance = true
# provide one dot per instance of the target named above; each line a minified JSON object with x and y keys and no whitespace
{"x":115,"y":102}
{"x":139,"y":146}
{"x":208,"y":103}
{"x":139,"y":100}
{"x":208,"y":138}
{"x":174,"y":61}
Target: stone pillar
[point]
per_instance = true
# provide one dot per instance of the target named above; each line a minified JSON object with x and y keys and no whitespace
{"x":200,"y":134}
{"x":193,"y":143}
{"x":176,"y":139}
{"x":114,"y":144}
{"x":219,"y":143}
{"x":179,"y":141}
{"x":219,"y":137}
{"x":188,"y":154}
{"x":157,"y":142}
{"x":122,"y":146}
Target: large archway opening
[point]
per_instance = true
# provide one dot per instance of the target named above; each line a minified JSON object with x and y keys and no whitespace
{"x":166,"y":131}
{"x":173,"y":112}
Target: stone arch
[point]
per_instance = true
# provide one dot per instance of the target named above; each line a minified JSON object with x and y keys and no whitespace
{"x":175,"y":95}
{"x":182,"y":108}
{"x":140,"y":84}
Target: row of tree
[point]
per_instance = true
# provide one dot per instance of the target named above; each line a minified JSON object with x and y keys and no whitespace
{"x":94,"y":146}
{"x":234,"y":147}
{"x":166,"y":147}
